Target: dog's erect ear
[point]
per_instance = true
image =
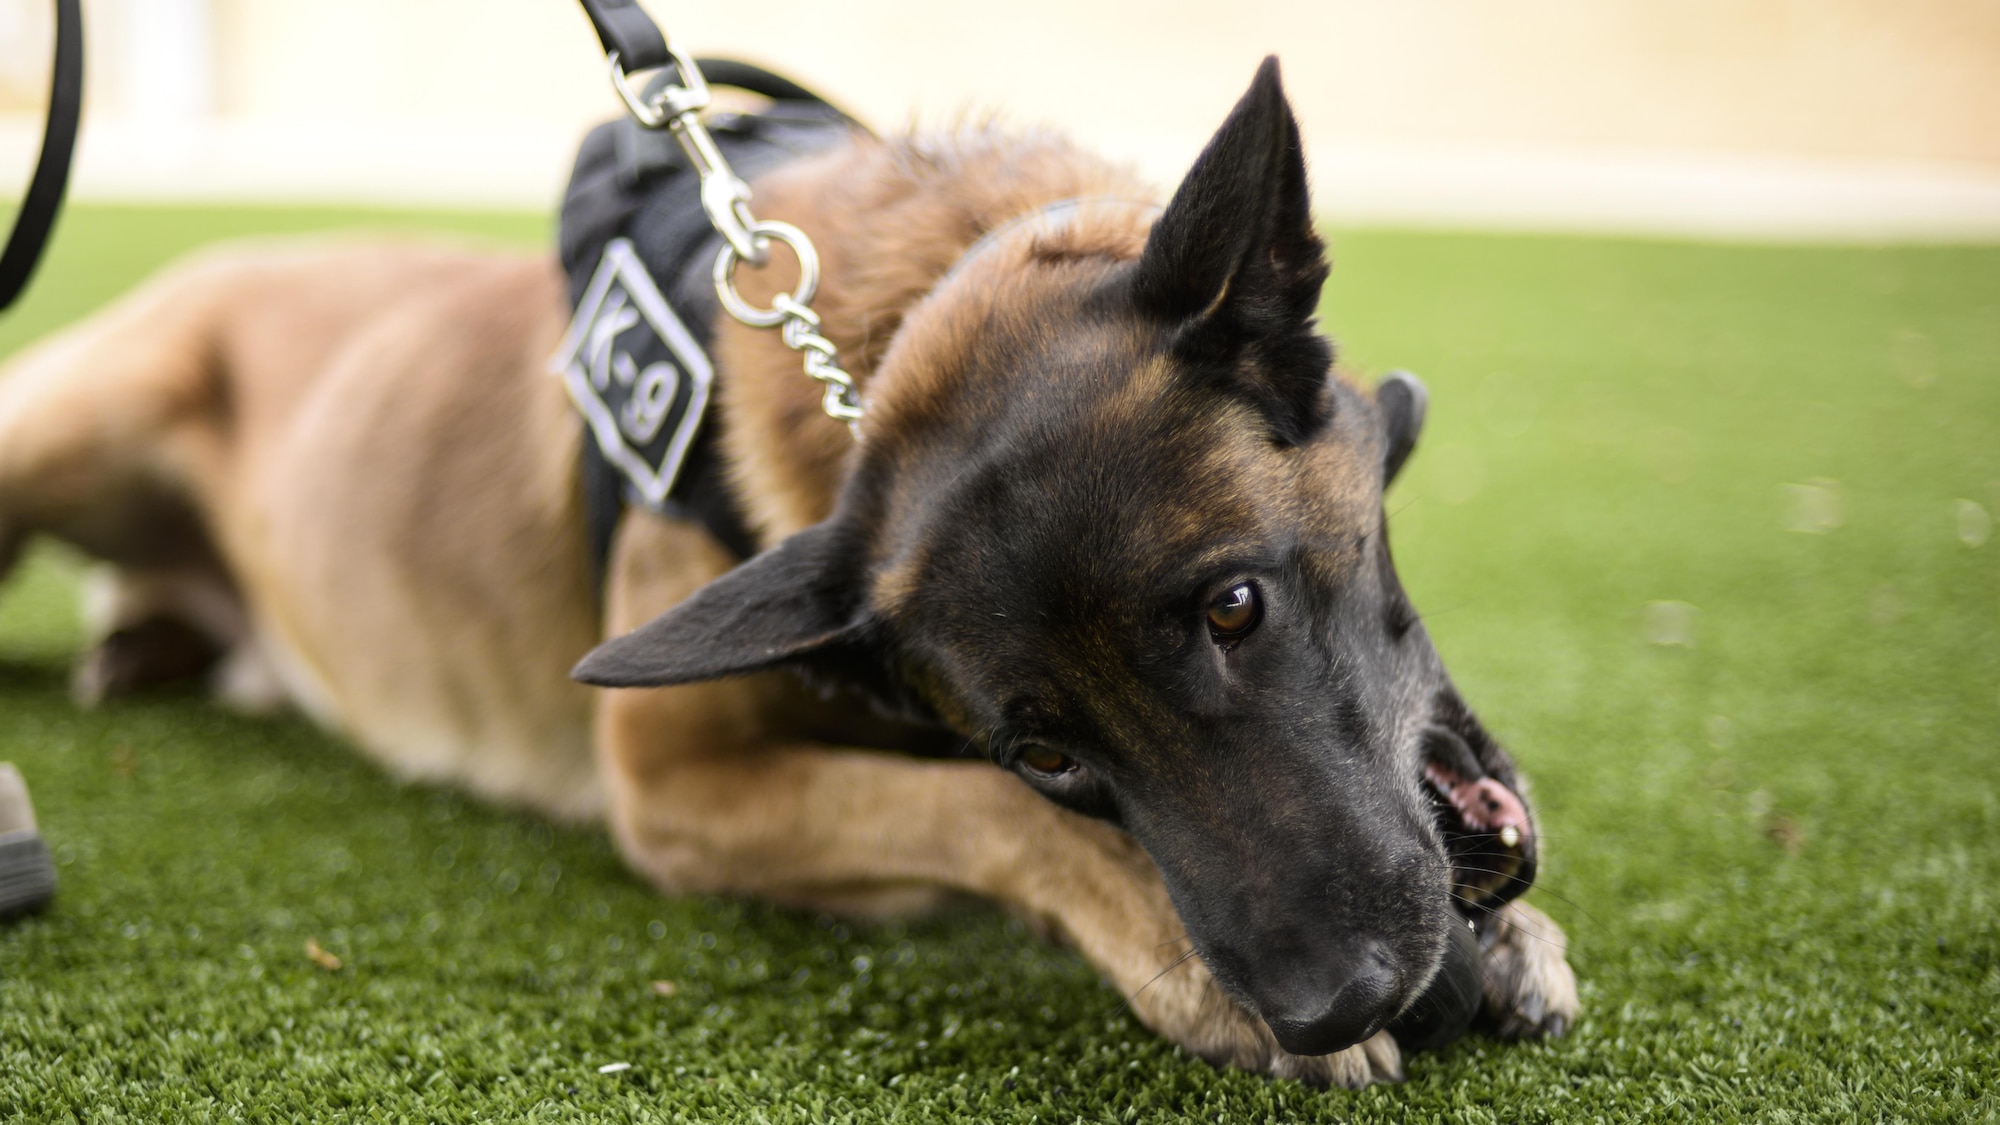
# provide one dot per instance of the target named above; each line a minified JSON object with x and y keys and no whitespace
{"x":1402,"y":400}
{"x":1235,"y":265}
{"x":790,"y":603}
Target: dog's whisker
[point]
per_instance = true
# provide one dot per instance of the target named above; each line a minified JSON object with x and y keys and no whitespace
{"x":1462,"y":990}
{"x":1177,"y":963}
{"x":1495,"y":873}
{"x":1488,"y":837}
{"x":1530,"y":934}
{"x":1475,"y":904}
{"x":1494,"y":911}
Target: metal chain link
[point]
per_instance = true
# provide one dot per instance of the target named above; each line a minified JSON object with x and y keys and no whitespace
{"x":745,"y":238}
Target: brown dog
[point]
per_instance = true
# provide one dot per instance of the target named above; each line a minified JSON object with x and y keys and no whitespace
{"x":1112,"y":523}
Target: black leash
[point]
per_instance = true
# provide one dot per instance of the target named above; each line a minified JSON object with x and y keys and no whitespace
{"x":627,"y":31}
{"x":37,"y":216}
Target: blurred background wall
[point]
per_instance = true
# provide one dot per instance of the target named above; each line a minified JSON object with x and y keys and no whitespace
{"x":1845,"y":118}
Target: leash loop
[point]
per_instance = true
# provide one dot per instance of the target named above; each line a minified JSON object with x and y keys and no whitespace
{"x":676,"y":107}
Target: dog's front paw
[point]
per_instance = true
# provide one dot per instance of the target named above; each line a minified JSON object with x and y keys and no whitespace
{"x":1530,"y":988}
{"x":1373,"y":1060}
{"x":1196,"y":1013}
{"x":1245,"y":1042}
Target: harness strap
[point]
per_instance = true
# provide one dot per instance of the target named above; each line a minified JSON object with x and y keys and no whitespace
{"x":626,"y":30}
{"x":634,"y":186}
{"x":39,"y":207}
{"x":757,"y":80}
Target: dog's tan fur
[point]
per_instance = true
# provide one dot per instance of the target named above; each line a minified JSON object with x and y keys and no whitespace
{"x":362,"y":447}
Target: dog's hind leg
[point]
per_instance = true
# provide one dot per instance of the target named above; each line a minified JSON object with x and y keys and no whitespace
{"x":103,"y":419}
{"x":149,"y":629}
{"x":104,"y":429}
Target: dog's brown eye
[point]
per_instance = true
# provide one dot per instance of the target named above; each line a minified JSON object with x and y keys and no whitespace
{"x":1234,"y":613}
{"x":1046,"y":762}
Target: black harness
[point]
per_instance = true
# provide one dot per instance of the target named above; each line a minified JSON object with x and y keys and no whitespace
{"x":638,"y":250}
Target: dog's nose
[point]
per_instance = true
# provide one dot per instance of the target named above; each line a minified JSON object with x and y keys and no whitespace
{"x":1343,"y":1011}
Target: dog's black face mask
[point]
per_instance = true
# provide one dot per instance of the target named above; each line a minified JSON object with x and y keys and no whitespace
{"x":1131,"y":541}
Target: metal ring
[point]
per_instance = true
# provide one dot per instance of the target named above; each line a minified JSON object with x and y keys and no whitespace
{"x":649,"y":116}
{"x":690,"y":96}
{"x":802,"y":293}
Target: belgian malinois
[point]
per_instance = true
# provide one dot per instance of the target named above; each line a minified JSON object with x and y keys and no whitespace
{"x":1113,"y":527}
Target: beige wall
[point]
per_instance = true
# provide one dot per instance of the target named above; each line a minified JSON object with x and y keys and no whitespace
{"x":1860,"y":82}
{"x":24,"y":54}
{"x":1901,"y":79}
{"x":1898,"y":79}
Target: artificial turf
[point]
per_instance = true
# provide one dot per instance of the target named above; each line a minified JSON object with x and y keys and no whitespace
{"x":1702,"y":530}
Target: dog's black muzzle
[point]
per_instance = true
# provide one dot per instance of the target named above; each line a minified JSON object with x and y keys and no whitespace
{"x":1338,"y":903}
{"x":1325,"y":909}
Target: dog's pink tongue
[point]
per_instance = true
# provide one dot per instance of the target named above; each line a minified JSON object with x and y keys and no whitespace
{"x":1489,"y":806}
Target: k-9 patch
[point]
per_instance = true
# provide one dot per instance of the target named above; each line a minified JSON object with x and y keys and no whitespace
{"x":636,"y":373}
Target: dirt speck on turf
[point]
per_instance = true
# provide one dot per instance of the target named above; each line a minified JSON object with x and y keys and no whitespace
{"x":1785,"y":832}
{"x":321,"y":957}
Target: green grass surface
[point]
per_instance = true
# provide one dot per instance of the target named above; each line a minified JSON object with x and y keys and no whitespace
{"x":1773,"y":843}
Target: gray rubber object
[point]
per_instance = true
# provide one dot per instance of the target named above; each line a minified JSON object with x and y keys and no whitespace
{"x":27,"y":871}
{"x":1445,"y":1010}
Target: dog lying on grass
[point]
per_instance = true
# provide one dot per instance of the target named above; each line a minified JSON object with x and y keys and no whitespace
{"x":1097,"y":619}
